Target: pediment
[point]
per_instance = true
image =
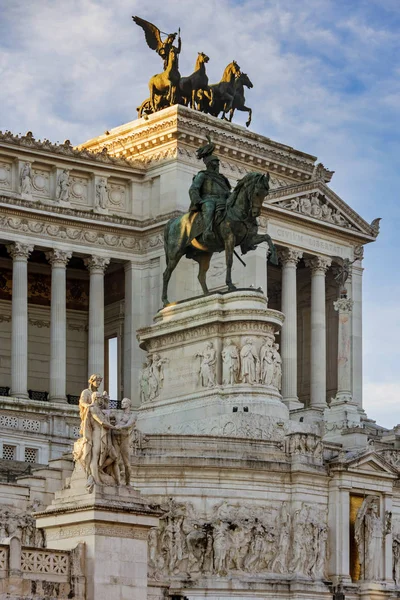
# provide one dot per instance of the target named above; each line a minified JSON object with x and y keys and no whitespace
{"x":373,"y":462}
{"x":315,"y":201}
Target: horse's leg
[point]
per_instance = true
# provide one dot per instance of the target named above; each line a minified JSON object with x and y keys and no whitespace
{"x":231,"y":113}
{"x":259,"y":238}
{"x":229,"y":248}
{"x":152,"y":105}
{"x":204,"y":265}
{"x":250,"y":114}
{"x":172,"y":261}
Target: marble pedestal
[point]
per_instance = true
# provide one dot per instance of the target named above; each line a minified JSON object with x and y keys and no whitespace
{"x":185,"y":402}
{"x":113,"y":523}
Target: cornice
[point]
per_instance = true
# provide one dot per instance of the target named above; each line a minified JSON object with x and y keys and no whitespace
{"x":66,"y":150}
{"x":179,"y":125}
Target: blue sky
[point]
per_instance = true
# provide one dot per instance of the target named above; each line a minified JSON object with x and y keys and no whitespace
{"x":326,"y":77}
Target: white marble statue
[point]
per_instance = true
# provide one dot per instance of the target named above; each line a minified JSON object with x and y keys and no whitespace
{"x":396,"y":559}
{"x":26,"y":179}
{"x":62,"y":191}
{"x":368,"y":533}
{"x":158,"y":370}
{"x":277,"y":373}
{"x":208,"y":365}
{"x":250,"y":363}
{"x":122,"y":437}
{"x":267,"y":362}
{"x":101,"y":195}
{"x":230,"y":363}
{"x":95,"y":450}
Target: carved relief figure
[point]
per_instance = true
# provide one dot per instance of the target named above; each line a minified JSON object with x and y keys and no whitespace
{"x":158,"y":369}
{"x":122,"y":437}
{"x":250,"y":371}
{"x":220,"y":547}
{"x":149,"y":385}
{"x":279,"y":564}
{"x":277,"y":374}
{"x":208,"y":365}
{"x":62,"y":191}
{"x":101,"y":195}
{"x":267,"y":362}
{"x":26,"y":179}
{"x":230,"y":363}
{"x":21,"y":524}
{"x":396,"y":559}
{"x":368,"y":532}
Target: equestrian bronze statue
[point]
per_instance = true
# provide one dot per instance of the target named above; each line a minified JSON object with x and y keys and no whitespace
{"x":169,"y":88}
{"x":218,"y":219}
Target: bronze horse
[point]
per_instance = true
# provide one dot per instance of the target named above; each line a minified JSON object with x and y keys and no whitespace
{"x":236,"y":226}
{"x":224,"y":90}
{"x":197,"y":81}
{"x":239,"y":100}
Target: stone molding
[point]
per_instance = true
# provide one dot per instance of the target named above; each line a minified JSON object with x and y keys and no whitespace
{"x":318,"y":264}
{"x":96,"y":264}
{"x":343,"y":305}
{"x":19,"y":251}
{"x":290,"y":256}
{"x":58,"y":258}
{"x":66,"y":149}
{"x":103,"y":529}
{"x":85,"y":234}
{"x":191,"y":128}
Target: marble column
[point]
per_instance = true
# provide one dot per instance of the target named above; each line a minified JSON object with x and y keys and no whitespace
{"x":58,"y":324}
{"x":356,"y":320}
{"x":19,"y":319}
{"x":97,"y":266}
{"x":344,"y":307}
{"x":136,"y":298}
{"x":289,"y":259}
{"x":318,"y":265}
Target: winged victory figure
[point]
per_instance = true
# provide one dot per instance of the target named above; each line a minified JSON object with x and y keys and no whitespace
{"x":154,"y":41}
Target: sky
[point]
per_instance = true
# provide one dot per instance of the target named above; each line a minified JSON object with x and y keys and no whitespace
{"x":326,"y":77}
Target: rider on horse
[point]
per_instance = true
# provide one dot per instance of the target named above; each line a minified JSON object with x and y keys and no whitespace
{"x":209,"y":190}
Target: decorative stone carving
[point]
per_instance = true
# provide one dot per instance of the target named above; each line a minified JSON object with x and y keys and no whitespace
{"x":5,"y":175}
{"x":316,"y":205}
{"x":396,"y":558}
{"x":304,"y":444}
{"x":95,"y":450}
{"x":152,"y":377}
{"x":97,"y":263}
{"x":63,"y":183}
{"x":289,"y":256}
{"x":19,"y":251}
{"x":230,"y":363}
{"x":122,"y":437}
{"x":359,"y":252}
{"x":21,"y":524}
{"x":267,"y":361}
{"x":318,"y":264}
{"x":208,"y":365}
{"x":320,"y":173}
{"x":58,"y":257}
{"x":102,"y":199}
{"x":238,"y":539}
{"x":25,"y":180}
{"x":250,"y":363}
{"x":368,"y":532}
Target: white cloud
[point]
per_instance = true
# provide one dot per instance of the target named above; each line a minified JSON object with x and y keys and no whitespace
{"x":381,"y":402}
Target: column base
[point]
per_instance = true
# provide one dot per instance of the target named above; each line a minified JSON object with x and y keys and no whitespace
{"x":21,"y":395}
{"x":293,"y":403}
{"x":58,"y":399}
{"x":312,"y":414}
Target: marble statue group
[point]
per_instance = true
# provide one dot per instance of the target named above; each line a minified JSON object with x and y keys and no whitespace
{"x":169,"y":88}
{"x":103,"y":450}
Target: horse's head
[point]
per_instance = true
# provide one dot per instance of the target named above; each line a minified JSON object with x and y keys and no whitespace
{"x":203,"y":58}
{"x":231,"y":71}
{"x":244,"y":80}
{"x":260,"y":190}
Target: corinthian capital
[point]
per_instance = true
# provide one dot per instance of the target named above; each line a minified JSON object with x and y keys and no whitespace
{"x":289,"y":256}
{"x":19,"y":251}
{"x":343,"y":305}
{"x":318,"y":264}
{"x":96,"y":264}
{"x":58,"y":258}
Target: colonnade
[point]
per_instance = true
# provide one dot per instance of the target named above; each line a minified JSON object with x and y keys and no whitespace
{"x":134,"y":309}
